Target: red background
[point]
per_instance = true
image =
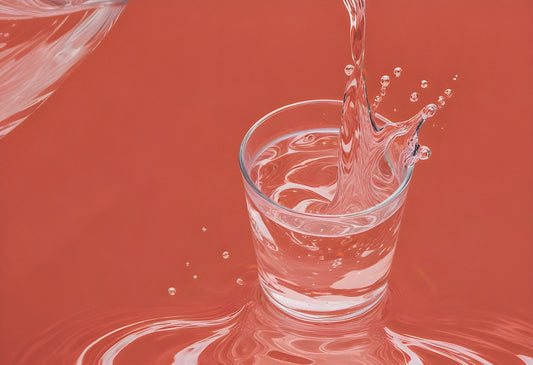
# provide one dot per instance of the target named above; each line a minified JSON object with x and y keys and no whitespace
{"x":104,"y":190}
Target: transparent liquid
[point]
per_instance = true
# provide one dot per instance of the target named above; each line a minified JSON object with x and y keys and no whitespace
{"x":40,"y":42}
{"x":317,"y":271}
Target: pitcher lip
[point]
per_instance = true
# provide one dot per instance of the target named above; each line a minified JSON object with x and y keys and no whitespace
{"x":249,"y":181}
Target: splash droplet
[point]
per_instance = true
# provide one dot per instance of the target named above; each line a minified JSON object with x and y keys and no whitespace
{"x":385,"y":80}
{"x":448,"y":93}
{"x":204,"y":229}
{"x":225,"y":255}
{"x":172,"y":291}
{"x":348,"y":70}
{"x":195,"y":276}
{"x":430,"y":110}
{"x":423,"y":84}
{"x":423,"y":153}
{"x":239,"y":281}
{"x":441,"y":100}
{"x":398,"y":71}
{"x":414,"y":97}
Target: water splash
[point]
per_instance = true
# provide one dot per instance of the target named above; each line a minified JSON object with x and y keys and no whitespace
{"x":45,"y":40}
{"x":373,"y":156}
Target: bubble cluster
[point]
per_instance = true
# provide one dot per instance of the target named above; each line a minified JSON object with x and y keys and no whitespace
{"x":441,"y":101}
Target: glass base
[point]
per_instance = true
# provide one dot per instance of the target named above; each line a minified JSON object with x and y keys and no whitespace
{"x":300,"y":309}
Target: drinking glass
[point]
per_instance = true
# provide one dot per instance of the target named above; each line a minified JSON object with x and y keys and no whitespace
{"x":318,"y":267}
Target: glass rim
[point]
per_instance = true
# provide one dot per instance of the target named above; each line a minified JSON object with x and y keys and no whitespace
{"x":249,"y":181}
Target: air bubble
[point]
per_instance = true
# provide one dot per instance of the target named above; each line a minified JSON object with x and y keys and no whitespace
{"x":448,"y":93}
{"x":423,"y":153}
{"x":225,"y":255}
{"x":172,"y":291}
{"x":398,"y":71}
{"x":414,"y":97}
{"x":195,"y":276}
{"x":187,"y":264}
{"x":423,"y":84}
{"x":455,"y":77}
{"x":385,"y":80}
{"x":239,"y":281}
{"x":348,"y":70}
{"x":441,"y":100}
{"x":204,"y":229}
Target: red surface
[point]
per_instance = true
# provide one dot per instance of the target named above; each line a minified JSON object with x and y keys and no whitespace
{"x":105,"y":189}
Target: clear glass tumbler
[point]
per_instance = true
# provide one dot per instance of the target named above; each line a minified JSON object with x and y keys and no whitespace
{"x":316,"y":266}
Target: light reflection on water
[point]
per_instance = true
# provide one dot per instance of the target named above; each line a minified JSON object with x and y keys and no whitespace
{"x":249,"y":330}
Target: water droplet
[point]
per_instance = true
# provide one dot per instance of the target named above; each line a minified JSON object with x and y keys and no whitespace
{"x":430,"y":110}
{"x":172,"y":291}
{"x":225,"y":255}
{"x":385,"y":80}
{"x":448,"y":93}
{"x":414,"y":97}
{"x":398,"y":71}
{"x":187,"y":264}
{"x":348,"y":70}
{"x":441,"y":100}
{"x":239,"y":281}
{"x":195,"y":276}
{"x":204,"y":229}
{"x":423,"y":153}
{"x":423,"y":84}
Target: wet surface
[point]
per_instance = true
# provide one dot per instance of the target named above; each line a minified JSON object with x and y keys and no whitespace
{"x":106,"y":188}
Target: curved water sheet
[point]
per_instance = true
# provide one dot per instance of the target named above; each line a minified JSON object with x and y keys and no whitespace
{"x":40,"y":42}
{"x":251,"y":331}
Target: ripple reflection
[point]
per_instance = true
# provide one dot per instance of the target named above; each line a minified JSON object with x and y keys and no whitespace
{"x":258,"y":333}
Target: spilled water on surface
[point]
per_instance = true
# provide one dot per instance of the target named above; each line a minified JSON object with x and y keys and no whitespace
{"x":247,"y":329}
{"x":40,"y":41}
